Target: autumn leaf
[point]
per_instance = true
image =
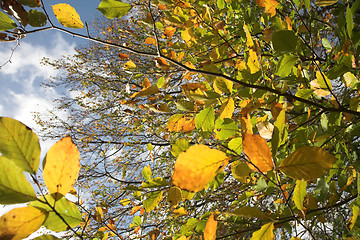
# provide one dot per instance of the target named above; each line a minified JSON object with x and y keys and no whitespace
{"x":67,"y":15}
{"x":146,"y":91}
{"x":299,"y":194}
{"x":210,"y":228}
{"x":307,"y":163}
{"x":266,"y":232}
{"x":174,"y":196}
{"x":196,"y":167}
{"x":62,"y":166}
{"x":256,"y":148}
{"x":269,"y":5}
{"x":20,"y":223}
{"x":227,"y":109}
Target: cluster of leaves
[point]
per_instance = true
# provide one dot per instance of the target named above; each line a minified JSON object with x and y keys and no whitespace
{"x":20,"y":152}
{"x":222,"y":119}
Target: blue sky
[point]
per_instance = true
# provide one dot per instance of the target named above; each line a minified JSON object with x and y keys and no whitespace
{"x":21,"y":79}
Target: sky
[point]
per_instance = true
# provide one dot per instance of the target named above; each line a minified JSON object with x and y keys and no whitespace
{"x":20,"y":80}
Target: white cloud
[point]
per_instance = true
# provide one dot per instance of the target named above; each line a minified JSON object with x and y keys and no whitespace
{"x":20,"y":80}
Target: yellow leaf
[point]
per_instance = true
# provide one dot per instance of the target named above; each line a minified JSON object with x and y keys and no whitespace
{"x":355,"y":213}
{"x":321,"y":85}
{"x":210,"y":228}
{"x":146,"y":91}
{"x":249,"y":41}
{"x":180,"y":212}
{"x":266,"y":232}
{"x":222,"y":85}
{"x":227,"y":109}
{"x":253,"y":62}
{"x":196,"y":167}
{"x":186,"y":35}
{"x":299,"y":194}
{"x":307,"y":163}
{"x":256,"y":148}
{"x":130,"y":65}
{"x":67,"y":15}
{"x":61,"y":166}
{"x":246,"y":125}
{"x":98,"y":214}
{"x":20,"y":223}
{"x":177,"y":123}
{"x":269,"y":5}
{"x":174,"y":196}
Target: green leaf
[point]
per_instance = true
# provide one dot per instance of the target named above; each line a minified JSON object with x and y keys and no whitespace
{"x":152,"y":200}
{"x":326,"y":44}
{"x":37,"y":18}
{"x":249,"y":212}
{"x":179,"y":146}
{"x":299,"y":194}
{"x":155,"y":182}
{"x":235,"y":144}
{"x":184,"y":105}
{"x":6,"y":23}
{"x":146,"y":172}
{"x":304,"y":93}
{"x":240,"y":171}
{"x":46,"y":237}
{"x":220,"y":4}
{"x":66,"y":209}
{"x":278,"y":132}
{"x":225,"y":128}
{"x":113,"y":8}
{"x":307,"y":163}
{"x":14,"y":187}
{"x":323,"y":3}
{"x":284,"y":41}
{"x":349,"y":21}
{"x":286,"y":64}
{"x":136,"y":222}
{"x":205,"y":119}
{"x":19,"y":144}
{"x":266,"y":232}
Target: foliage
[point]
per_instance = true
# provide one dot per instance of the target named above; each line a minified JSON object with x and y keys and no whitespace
{"x":223,"y":119}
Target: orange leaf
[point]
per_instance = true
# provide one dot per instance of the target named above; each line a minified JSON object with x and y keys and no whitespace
{"x":150,"y":40}
{"x":162,"y":63}
{"x":62,"y":166}
{"x":134,"y":210}
{"x":256,"y":148}
{"x":210,"y":228}
{"x":169,"y":31}
{"x":269,"y":5}
{"x":197,"y":166}
{"x":123,"y":56}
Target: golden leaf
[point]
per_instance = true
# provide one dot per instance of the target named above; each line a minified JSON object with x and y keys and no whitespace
{"x":196,"y":167}
{"x":266,"y":232}
{"x":169,"y":31}
{"x":67,"y":15}
{"x":256,"y":148}
{"x":20,"y":223}
{"x":227,"y":109}
{"x":307,"y":163}
{"x":253,"y":62}
{"x":130,"y":65}
{"x":269,"y":5}
{"x":62,"y":166}
{"x":150,"y":40}
{"x":210,"y":228}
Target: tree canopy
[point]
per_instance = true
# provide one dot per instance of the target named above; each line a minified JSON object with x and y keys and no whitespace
{"x":193,"y":119}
